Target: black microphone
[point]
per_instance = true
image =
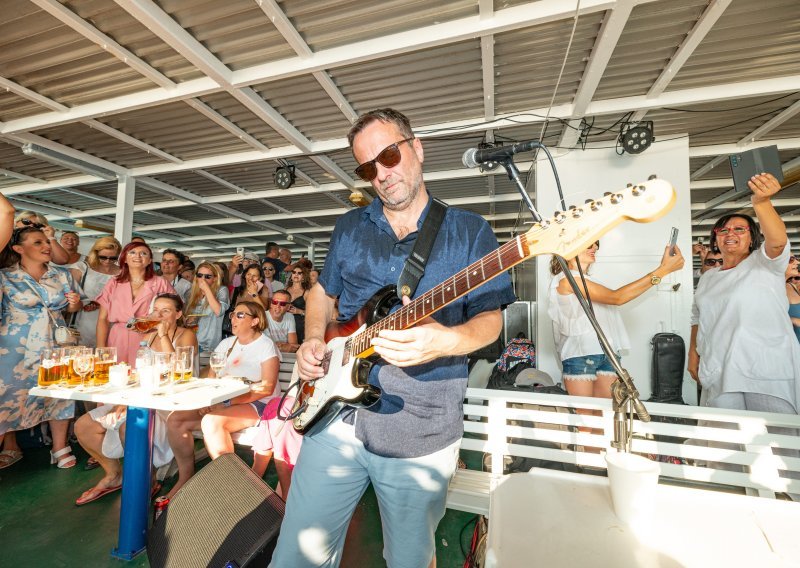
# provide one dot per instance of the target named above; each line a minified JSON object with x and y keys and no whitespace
{"x":475,"y":156}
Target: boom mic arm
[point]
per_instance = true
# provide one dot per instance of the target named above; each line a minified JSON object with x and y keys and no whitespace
{"x":476,"y":156}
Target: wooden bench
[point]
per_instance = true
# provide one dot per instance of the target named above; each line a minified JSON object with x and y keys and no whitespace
{"x":701,"y":447}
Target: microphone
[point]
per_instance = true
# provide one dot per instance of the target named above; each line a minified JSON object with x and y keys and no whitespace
{"x":475,"y":156}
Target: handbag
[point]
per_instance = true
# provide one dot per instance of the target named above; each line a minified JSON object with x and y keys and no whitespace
{"x":62,"y":334}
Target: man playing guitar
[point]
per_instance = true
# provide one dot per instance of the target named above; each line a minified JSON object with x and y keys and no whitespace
{"x":407,"y":443}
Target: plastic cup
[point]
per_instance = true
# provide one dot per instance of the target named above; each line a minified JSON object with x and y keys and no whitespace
{"x":118,"y":375}
{"x":633,"y":481}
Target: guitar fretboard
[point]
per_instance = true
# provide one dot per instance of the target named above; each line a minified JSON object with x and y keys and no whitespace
{"x":461,"y":283}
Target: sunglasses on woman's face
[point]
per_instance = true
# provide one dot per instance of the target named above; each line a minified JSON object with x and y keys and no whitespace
{"x":111,"y":258}
{"x":389,"y":157}
{"x":240,"y":315}
{"x":206,"y":276}
{"x":268,"y":269}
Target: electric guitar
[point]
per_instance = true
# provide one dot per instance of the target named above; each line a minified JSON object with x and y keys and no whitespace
{"x":349,"y":356}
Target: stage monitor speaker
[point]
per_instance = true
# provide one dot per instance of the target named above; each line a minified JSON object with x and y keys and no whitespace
{"x":224,"y":516}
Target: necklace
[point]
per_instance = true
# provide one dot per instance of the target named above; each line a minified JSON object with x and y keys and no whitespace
{"x":136,"y":282}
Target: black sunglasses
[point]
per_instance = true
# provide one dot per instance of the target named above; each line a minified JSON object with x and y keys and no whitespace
{"x":16,"y":234}
{"x":206,"y":276}
{"x":793,"y":279}
{"x":101,"y":257}
{"x":389,"y":157}
{"x":712,"y":261}
{"x":29,"y":223}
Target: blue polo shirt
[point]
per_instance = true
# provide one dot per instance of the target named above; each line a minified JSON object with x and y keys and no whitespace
{"x":420,"y":410}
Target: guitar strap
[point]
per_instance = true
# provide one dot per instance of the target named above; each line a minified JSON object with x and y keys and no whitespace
{"x":414,"y":267}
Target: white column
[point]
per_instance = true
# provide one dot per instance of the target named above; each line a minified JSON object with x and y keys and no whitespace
{"x":311,"y":248}
{"x":123,"y":225}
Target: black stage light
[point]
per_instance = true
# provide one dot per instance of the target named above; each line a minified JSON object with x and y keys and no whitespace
{"x":635,"y":137}
{"x":284,"y":176}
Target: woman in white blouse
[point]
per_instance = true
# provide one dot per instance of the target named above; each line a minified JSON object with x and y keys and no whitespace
{"x":586,"y":369}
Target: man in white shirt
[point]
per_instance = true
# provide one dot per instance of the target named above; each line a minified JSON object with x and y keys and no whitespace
{"x":170,"y":264}
{"x":282,"y":328}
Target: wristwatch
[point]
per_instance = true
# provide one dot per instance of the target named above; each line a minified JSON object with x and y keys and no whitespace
{"x":655,"y":280}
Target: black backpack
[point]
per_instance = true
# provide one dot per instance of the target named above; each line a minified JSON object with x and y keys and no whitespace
{"x":519,"y":354}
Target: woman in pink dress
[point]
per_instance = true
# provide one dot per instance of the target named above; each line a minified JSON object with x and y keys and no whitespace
{"x":127,"y":296}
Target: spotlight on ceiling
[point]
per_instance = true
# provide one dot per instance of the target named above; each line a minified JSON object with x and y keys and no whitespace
{"x":635,"y":137}
{"x":284,"y":176}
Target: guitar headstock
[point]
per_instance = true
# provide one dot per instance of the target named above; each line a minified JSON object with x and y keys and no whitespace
{"x":569,"y":232}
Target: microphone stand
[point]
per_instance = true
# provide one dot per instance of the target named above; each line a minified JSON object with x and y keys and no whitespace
{"x":625,"y":396}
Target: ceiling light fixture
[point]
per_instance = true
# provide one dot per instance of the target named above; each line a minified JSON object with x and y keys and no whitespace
{"x":635,"y":137}
{"x":59,"y":159}
{"x":81,"y":224}
{"x":284,"y":176}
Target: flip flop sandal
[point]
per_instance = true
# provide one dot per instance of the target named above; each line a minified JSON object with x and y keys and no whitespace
{"x":91,"y":464}
{"x":94,"y":494}
{"x":65,"y":462}
{"x":9,"y":458}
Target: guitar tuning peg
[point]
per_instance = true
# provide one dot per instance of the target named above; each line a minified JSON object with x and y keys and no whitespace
{"x":589,"y":201}
{"x":576,"y":212}
{"x":571,"y":207}
{"x":606,"y":194}
{"x":595,"y":205}
{"x":616,"y":198}
{"x":559,"y":217}
{"x":639,"y":189}
{"x":628,"y":185}
{"x":652,"y":176}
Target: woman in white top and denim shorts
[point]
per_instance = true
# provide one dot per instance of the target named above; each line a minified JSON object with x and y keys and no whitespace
{"x":586,"y":369}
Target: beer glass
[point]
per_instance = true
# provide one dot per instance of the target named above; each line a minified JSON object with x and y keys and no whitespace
{"x":184,"y":361}
{"x":73,"y":379}
{"x":163,"y":365}
{"x":49,"y":366}
{"x":217,"y":362}
{"x":83,"y":363}
{"x":104,"y":358}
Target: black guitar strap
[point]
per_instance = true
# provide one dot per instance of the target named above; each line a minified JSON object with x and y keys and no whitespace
{"x":414,"y":267}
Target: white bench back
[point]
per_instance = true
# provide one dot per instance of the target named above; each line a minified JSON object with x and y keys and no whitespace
{"x":713,"y":446}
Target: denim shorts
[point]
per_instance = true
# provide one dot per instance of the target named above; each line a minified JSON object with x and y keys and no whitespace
{"x":587,"y":367}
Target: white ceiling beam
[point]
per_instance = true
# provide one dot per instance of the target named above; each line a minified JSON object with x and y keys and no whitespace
{"x":296,"y":41}
{"x":263,"y":110}
{"x":71,"y":19}
{"x":697,"y":34}
{"x":135,"y":142}
{"x":610,"y":32}
{"x":68,"y":151}
{"x":222,"y":182}
{"x":516,"y":17}
{"x":170,"y":32}
{"x":87,"y":195}
{"x":21,"y":177}
{"x":750,"y":138}
{"x":31,"y":95}
{"x":487,"y":70}
{"x":332,"y":168}
{"x":216,"y":117}
{"x":714,"y":149}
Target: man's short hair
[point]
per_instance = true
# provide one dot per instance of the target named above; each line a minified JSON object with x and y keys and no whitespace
{"x":174,"y":253}
{"x":270,"y":247}
{"x":386,"y":115}
{"x":283,"y":293}
{"x":71,"y":233}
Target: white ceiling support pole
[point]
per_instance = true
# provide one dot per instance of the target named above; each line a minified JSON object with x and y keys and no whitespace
{"x":123,"y":224}
{"x":312,"y":248}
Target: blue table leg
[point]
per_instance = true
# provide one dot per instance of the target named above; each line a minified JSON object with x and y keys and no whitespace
{"x":135,"y":483}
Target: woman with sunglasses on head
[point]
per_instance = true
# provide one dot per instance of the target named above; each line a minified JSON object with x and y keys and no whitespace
{"x":586,"y":369}
{"x":31,"y":219}
{"x":793,"y":293}
{"x":298,"y":288}
{"x":208,"y":299}
{"x":249,"y":354}
{"x":34,"y":293}
{"x":743,"y":350}
{"x":126,"y":296}
{"x":101,"y":431}
{"x":98,"y":268}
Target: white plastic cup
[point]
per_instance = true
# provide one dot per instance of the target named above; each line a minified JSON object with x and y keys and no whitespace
{"x":118,"y":375}
{"x":633,"y":481}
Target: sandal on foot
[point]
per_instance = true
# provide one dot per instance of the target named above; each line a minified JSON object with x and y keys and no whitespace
{"x":9,"y":457}
{"x":67,"y":461}
{"x":95,"y":493}
{"x":154,"y":489}
{"x":91,"y":464}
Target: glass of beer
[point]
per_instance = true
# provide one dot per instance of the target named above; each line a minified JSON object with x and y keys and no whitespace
{"x":49,"y":367}
{"x":68,"y":373}
{"x":143,"y":325}
{"x":163,"y":363}
{"x":104,"y":358}
{"x":184,"y":361}
{"x":83,"y":363}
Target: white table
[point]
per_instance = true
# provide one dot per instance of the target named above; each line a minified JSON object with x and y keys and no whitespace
{"x":553,"y":518}
{"x":197,"y":393}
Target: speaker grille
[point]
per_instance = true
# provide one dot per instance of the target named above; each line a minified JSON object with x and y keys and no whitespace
{"x":225,"y":512}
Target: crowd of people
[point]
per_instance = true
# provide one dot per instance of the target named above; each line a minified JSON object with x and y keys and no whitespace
{"x":744,"y":345}
{"x":46,"y":283}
